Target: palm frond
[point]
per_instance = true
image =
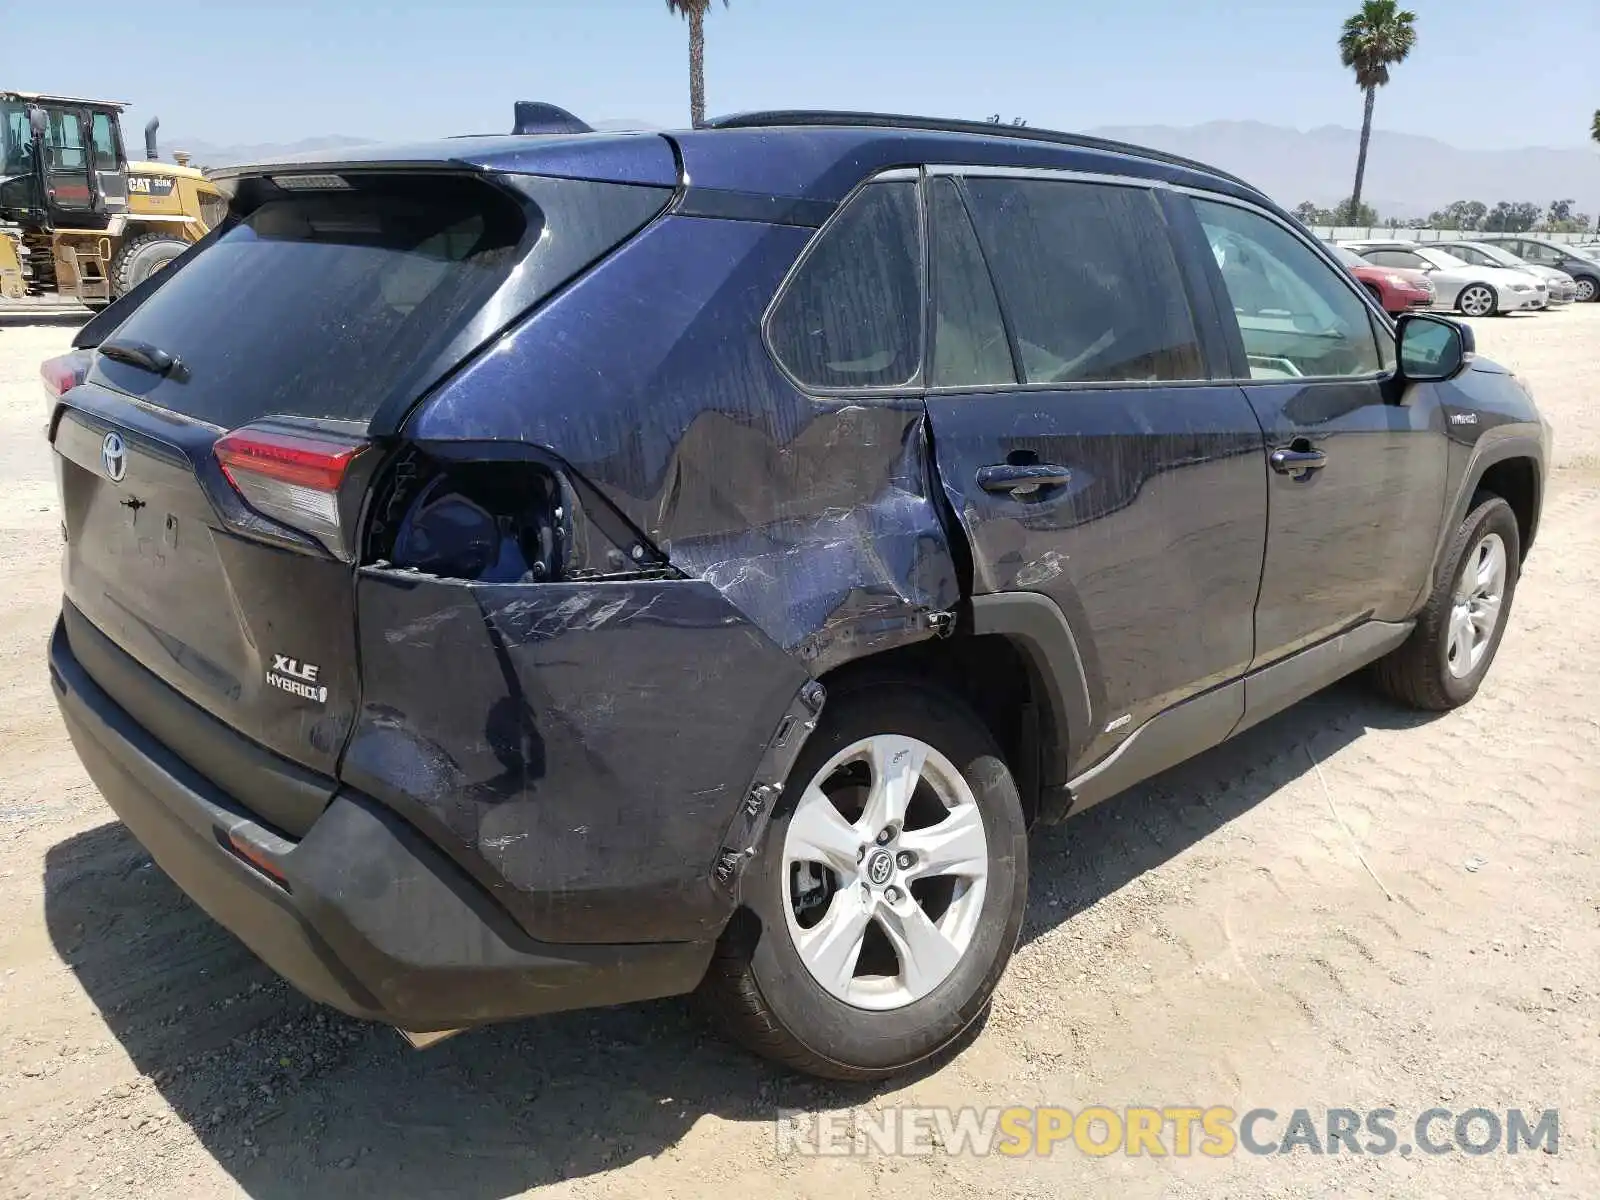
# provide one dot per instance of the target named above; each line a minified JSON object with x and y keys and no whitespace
{"x":686,"y":8}
{"x":1377,"y":37}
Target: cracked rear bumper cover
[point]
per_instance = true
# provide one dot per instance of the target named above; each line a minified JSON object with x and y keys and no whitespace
{"x":372,"y":919}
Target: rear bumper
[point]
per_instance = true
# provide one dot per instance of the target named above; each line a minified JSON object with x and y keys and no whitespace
{"x":370,"y":917}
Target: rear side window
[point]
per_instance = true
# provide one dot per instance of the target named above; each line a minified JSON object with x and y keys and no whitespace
{"x":851,"y":315}
{"x":970,"y":348}
{"x":327,"y":303}
{"x":1088,"y":280}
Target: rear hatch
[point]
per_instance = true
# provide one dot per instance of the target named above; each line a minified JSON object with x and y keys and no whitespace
{"x":214,"y":466}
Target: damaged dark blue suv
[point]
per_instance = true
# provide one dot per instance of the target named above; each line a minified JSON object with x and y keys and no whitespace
{"x":529,"y":572}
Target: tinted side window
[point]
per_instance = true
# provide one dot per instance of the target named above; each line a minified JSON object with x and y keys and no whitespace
{"x":969,"y":336}
{"x":1395,"y":258}
{"x":1472,"y":255}
{"x":64,"y":141}
{"x":1088,"y":279}
{"x":1297,"y":315}
{"x":852,"y":314}
{"x":105,"y":146}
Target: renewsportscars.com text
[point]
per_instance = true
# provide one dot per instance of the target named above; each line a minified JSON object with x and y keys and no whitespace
{"x":1177,"y":1130}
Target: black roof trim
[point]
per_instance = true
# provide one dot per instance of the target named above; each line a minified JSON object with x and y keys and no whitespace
{"x":778,"y":118}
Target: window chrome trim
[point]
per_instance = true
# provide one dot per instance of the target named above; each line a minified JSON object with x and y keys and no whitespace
{"x":917,"y":386}
{"x":1052,"y":174}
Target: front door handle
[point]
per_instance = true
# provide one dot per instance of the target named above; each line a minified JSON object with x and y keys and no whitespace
{"x":1020,"y":479}
{"x":1297,"y":464}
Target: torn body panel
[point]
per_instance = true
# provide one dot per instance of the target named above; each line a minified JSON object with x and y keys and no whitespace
{"x":815,"y":518}
{"x":580,"y":748}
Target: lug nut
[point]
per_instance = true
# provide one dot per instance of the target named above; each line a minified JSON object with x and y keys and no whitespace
{"x":884,"y":835}
{"x":904,"y":859}
{"x":861,"y":852}
{"x":892,"y":895}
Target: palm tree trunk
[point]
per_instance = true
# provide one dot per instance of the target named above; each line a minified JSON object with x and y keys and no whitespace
{"x":697,"y":66}
{"x":1361,"y":159}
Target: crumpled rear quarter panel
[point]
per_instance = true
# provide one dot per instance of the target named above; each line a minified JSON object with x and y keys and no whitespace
{"x":582,"y":748}
{"x":815,"y":517}
{"x":579,"y":748}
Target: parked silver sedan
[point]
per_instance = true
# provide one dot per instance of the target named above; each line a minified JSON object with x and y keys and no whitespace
{"x":1563,"y":288}
{"x":1472,"y":290}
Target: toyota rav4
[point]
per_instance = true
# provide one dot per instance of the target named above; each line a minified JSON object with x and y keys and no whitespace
{"x":529,"y":572}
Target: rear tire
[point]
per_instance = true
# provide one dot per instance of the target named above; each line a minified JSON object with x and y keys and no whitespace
{"x":804,"y":975}
{"x":141,"y":257}
{"x":1444,"y":661}
{"x":1478,"y":300}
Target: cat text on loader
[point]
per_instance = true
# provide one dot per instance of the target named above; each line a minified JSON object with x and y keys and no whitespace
{"x":78,"y":220}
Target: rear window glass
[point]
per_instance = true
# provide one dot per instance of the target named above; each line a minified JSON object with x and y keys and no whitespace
{"x":325,"y":304}
{"x":852,"y":315}
{"x":318,"y":304}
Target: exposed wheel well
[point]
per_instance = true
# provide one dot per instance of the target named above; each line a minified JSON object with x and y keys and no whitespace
{"x":990,"y":674}
{"x":1516,"y":481}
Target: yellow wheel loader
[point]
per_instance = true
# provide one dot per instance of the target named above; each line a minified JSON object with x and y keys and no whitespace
{"x":78,"y":220}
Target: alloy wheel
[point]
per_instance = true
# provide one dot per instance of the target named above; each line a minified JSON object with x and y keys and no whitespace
{"x":1477,"y":301}
{"x":1479,"y":599}
{"x":1585,"y":292}
{"x":886,"y":862}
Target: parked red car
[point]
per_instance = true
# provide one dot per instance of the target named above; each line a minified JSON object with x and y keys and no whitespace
{"x":1396,"y":288}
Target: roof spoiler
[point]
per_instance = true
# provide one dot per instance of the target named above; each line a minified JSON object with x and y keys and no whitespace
{"x":533,"y":116}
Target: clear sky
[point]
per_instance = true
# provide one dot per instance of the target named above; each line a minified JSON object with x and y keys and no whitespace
{"x":1485,"y":73}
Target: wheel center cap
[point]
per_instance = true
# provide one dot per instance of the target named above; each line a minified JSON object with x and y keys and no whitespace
{"x":879,"y":867}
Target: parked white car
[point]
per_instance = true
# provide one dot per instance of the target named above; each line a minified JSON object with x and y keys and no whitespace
{"x":1562,"y":287}
{"x":1473,"y":291}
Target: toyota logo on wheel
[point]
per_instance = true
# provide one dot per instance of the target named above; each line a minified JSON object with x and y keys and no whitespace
{"x":114,"y":457}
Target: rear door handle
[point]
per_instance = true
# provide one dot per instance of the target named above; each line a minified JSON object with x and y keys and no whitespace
{"x":1022,"y":478}
{"x":1297,"y":464}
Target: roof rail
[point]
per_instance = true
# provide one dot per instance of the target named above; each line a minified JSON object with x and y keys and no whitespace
{"x":821,"y":116}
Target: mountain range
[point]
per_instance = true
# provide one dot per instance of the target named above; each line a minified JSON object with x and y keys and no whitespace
{"x":1408,"y":175}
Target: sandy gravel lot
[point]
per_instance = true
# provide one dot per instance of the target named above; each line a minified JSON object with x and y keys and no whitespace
{"x":1211,"y":938}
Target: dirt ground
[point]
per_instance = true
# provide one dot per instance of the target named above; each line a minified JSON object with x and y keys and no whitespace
{"x":1211,"y":939}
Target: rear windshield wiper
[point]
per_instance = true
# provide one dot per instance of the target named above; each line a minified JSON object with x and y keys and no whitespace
{"x":143,"y":355}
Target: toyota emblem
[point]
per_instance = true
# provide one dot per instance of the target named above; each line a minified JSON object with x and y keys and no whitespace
{"x":114,"y":457}
{"x":879,"y":867}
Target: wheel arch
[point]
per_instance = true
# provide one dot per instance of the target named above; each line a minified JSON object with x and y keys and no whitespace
{"x":1516,"y":479}
{"x":1016,"y":661}
{"x":1511,"y":463}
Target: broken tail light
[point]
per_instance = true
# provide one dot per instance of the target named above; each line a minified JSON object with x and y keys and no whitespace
{"x":63,"y":373}
{"x":291,"y":475}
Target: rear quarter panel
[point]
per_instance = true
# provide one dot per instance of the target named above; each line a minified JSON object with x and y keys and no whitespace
{"x":584,"y":747}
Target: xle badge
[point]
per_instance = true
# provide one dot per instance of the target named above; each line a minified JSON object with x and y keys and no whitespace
{"x":297,"y":678}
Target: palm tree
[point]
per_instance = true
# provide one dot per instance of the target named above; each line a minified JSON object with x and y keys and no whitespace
{"x":1594,"y":130}
{"x":1376,"y":38}
{"x":695,"y":11}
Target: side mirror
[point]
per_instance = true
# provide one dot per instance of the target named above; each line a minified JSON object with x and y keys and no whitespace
{"x":38,"y":123}
{"x":1432,"y":348}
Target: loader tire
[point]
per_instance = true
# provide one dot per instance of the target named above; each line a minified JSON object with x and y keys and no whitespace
{"x":141,"y":257}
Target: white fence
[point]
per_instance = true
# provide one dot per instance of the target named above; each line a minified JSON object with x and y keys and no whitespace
{"x":1362,"y":233}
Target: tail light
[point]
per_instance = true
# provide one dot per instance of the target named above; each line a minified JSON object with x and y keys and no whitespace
{"x":291,"y":475}
{"x":63,"y":373}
